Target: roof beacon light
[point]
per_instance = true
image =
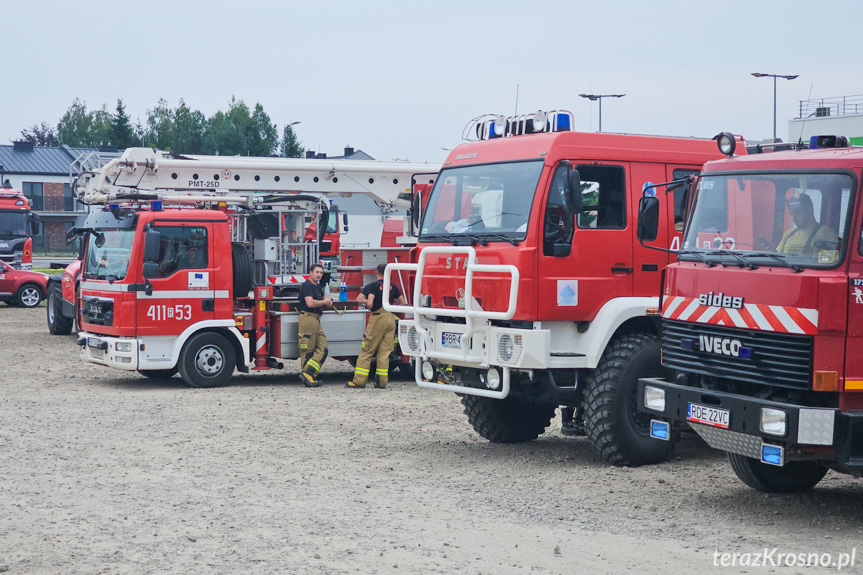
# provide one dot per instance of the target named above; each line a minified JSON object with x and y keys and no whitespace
{"x":828,"y":142}
{"x":539,"y":122}
{"x":726,"y":143}
{"x":490,"y":126}
{"x":156,"y":206}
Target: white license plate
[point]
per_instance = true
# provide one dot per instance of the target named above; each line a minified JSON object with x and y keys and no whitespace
{"x":708,"y":415}
{"x":449,"y":339}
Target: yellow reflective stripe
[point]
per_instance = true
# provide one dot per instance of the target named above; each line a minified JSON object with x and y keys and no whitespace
{"x":361,"y":370}
{"x":314,"y":364}
{"x":382,"y":372}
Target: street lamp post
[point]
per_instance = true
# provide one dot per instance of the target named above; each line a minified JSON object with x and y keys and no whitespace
{"x":595,"y":97}
{"x":774,"y":76}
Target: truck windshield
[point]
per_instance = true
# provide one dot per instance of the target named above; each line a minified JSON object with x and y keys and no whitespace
{"x":108,"y":252}
{"x":490,"y":202}
{"x":13,"y":225}
{"x":797,"y":220}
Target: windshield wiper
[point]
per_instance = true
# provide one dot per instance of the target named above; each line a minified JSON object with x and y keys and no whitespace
{"x":735,"y":255}
{"x":710,"y":263}
{"x":777,"y":257}
{"x":438,"y":238}
{"x":503,"y":237}
{"x":476,"y":239}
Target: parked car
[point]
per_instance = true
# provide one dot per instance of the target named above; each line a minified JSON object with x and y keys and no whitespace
{"x":20,"y":287}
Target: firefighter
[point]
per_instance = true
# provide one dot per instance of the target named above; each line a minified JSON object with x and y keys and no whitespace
{"x":379,"y":339}
{"x":313,"y":342}
{"x":800,"y":239}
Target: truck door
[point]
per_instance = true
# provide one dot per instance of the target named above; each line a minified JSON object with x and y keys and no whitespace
{"x":599,"y":266}
{"x":183,"y":293}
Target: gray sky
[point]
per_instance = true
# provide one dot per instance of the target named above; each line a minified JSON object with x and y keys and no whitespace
{"x":400,"y":79}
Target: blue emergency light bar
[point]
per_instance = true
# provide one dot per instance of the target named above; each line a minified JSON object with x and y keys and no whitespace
{"x":828,"y":141}
{"x":490,"y":127}
{"x":156,"y":205}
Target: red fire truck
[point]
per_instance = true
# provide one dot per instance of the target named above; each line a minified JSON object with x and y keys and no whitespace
{"x":530,"y":290}
{"x":761,"y":316}
{"x":194,"y":264}
{"x":16,"y":225}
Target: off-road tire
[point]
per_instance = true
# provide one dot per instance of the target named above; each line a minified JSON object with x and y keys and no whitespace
{"x":617,"y":432}
{"x":159,"y":373}
{"x":29,"y":295}
{"x":510,"y":420}
{"x":207,"y":360}
{"x":58,"y":324}
{"x":793,"y":477}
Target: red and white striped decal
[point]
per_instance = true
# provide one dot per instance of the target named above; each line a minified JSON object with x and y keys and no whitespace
{"x":281,"y":280}
{"x":751,"y":316}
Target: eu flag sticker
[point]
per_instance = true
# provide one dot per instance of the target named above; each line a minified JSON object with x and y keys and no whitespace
{"x":567,"y":292}
{"x":199,"y":280}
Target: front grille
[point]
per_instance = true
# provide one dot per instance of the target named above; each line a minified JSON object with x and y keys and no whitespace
{"x":98,"y":311}
{"x":775,"y":359}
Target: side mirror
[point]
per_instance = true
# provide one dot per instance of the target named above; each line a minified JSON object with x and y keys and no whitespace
{"x":152,"y":241}
{"x":416,"y":209}
{"x":345,"y":221}
{"x":150,"y":269}
{"x":648,"y":218}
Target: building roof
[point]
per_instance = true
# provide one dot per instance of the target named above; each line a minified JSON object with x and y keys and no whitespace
{"x":39,"y":160}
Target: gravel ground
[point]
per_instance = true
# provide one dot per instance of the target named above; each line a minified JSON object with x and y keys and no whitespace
{"x":103,"y":471}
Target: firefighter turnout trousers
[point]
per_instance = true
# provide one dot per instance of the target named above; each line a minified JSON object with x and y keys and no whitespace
{"x":313,"y":343}
{"x":378,"y":341}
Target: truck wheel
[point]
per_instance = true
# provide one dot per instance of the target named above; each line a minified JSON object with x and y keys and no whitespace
{"x":158,"y":373}
{"x":207,"y":360}
{"x":242,"y":266}
{"x":793,"y":477}
{"x":510,"y":420}
{"x":617,"y":432}
{"x":29,"y":295}
{"x":58,"y":324}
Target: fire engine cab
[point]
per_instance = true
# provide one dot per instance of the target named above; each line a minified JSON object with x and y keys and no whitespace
{"x":530,"y":290}
{"x":762,"y":316}
{"x":193,"y":264}
{"x":16,"y":226}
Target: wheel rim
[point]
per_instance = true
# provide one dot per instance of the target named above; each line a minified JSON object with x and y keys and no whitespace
{"x":30,"y":297}
{"x":51,"y":308}
{"x":209,"y":361}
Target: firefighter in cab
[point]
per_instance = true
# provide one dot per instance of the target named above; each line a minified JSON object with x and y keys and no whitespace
{"x":379,"y":339}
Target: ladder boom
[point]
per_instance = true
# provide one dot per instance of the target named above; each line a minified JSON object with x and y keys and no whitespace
{"x":212,"y":178}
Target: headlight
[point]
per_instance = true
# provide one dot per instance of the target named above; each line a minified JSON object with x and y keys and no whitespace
{"x":492,"y":379}
{"x":726,"y":143}
{"x":654,"y":399}
{"x":539,"y":122}
{"x":774,"y":421}
{"x":428,"y":371}
{"x":123,"y":346}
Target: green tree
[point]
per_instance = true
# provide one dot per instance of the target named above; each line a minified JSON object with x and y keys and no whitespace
{"x":121,"y":133}
{"x":239,"y":131}
{"x":75,"y":126}
{"x":291,"y":145}
{"x":189,"y":130}
{"x":41,"y":135}
{"x":158,"y":129}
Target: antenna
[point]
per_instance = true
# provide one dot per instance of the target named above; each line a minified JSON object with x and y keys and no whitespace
{"x":803,"y":123}
{"x":516,"y":102}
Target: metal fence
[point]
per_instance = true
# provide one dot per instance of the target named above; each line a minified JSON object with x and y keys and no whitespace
{"x":836,"y":106}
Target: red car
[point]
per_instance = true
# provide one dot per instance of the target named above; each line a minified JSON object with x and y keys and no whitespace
{"x":20,"y":287}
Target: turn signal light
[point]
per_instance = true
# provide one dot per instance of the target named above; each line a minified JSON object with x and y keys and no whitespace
{"x":825,"y":381}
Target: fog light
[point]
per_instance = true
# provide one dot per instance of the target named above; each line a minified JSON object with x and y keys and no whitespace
{"x":123,"y":359}
{"x":492,"y":379}
{"x":428,"y":371}
{"x":773,"y":421}
{"x":654,"y":399}
{"x":123,"y":346}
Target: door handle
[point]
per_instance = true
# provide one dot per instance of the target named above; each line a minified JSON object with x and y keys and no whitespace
{"x":620,"y":270}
